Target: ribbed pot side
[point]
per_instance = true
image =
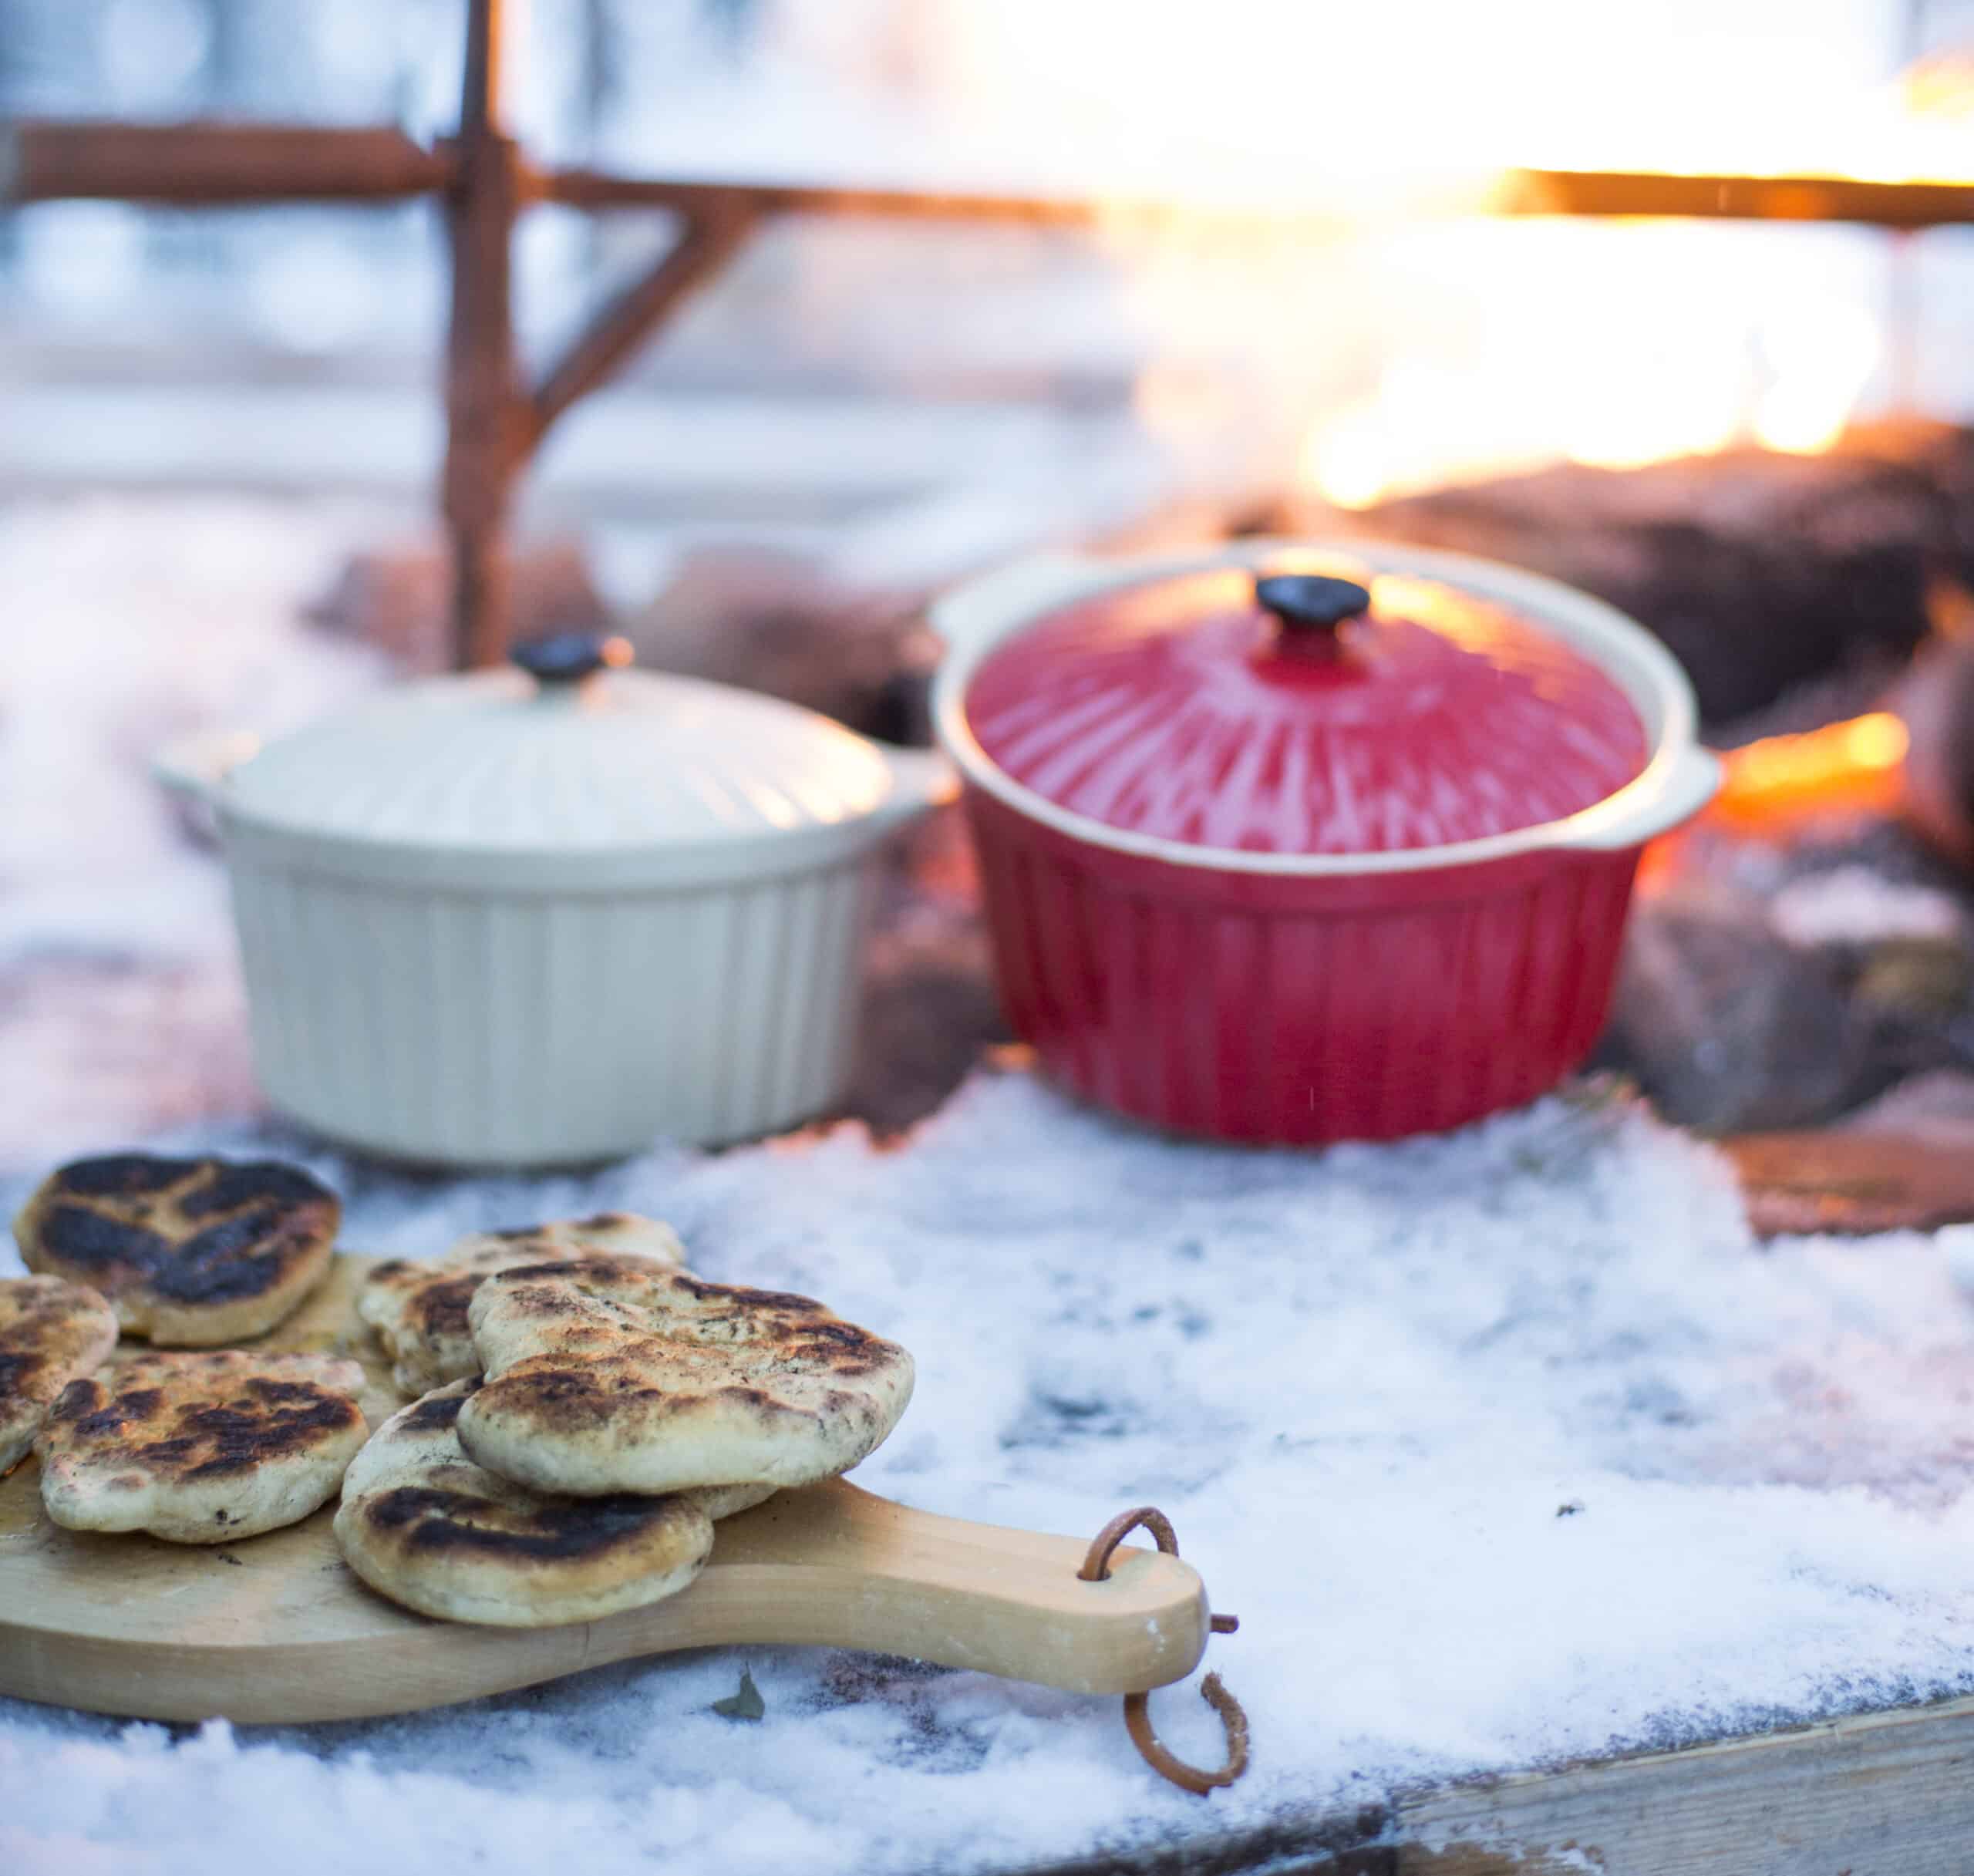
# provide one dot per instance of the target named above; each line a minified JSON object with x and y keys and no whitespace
{"x":481,"y":1028}
{"x":1298,"y":1011}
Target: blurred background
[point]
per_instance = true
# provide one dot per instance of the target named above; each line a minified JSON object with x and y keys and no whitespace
{"x":848,"y":370}
{"x":1306,"y":292}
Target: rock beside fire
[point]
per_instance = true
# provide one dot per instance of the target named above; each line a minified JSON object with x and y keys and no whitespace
{"x":1785,"y":986}
{"x":1726,"y":1028}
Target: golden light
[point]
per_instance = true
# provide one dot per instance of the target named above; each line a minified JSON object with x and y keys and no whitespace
{"x":1848,"y":767}
{"x":1389,"y":373}
{"x":1781,"y":785}
{"x":1823,"y":357}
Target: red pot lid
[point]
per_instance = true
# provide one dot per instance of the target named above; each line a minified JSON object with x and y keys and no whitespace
{"x":1296,"y":713}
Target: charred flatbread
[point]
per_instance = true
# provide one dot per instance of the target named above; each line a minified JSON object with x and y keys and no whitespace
{"x":419,"y":1308}
{"x":51,"y":1333}
{"x":201,"y":1448}
{"x":188,"y":1253}
{"x":421,"y":1524}
{"x":605,"y":1376}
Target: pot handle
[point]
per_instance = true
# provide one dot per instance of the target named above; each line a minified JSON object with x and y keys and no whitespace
{"x":1687,"y":783}
{"x":970,"y":611}
{"x":921,"y":780}
{"x":195,"y":767}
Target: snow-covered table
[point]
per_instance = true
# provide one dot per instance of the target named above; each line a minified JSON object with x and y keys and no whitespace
{"x":1512,"y":1451}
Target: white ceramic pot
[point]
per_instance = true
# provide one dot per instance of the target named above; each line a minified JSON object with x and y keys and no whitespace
{"x":541,"y":916}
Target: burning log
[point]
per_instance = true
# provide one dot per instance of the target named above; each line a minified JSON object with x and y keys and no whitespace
{"x":1852,"y":768}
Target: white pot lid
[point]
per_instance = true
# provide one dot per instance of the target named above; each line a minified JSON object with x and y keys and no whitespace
{"x":564,"y":753}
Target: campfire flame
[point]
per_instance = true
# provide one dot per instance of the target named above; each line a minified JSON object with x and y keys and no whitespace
{"x":1653,"y":379}
{"x":1850,"y":767}
{"x":1648,"y":384}
{"x":1773,"y":789}
{"x":1425,"y":340}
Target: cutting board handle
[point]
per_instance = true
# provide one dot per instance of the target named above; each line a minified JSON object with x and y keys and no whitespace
{"x":839,"y":1567}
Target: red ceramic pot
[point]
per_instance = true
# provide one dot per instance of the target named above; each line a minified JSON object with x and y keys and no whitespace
{"x":1350,"y":863}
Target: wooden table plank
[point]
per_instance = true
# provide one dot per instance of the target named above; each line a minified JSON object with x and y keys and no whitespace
{"x":1876,"y":1794}
{"x":1826,"y":1179}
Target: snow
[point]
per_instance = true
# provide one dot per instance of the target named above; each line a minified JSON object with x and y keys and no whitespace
{"x":131,"y":621}
{"x":1365,"y":1385}
{"x":1856,"y":905}
{"x":1506,"y":1447}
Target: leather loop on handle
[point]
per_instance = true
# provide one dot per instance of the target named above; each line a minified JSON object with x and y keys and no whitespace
{"x":1212,"y":1690}
{"x":1159,"y":1757}
{"x":1097,"y":1564}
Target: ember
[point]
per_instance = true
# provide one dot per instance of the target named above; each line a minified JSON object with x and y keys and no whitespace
{"x":1846,"y":768}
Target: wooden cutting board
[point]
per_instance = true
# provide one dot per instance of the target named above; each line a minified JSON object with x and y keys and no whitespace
{"x":276,"y":1628}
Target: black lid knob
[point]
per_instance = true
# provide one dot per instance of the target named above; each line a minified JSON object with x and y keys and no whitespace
{"x":1311,"y":602}
{"x":565,"y":657}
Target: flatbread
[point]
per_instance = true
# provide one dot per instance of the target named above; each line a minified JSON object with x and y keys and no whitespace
{"x":423,"y":1525}
{"x":51,"y":1333}
{"x":200,"y":1448}
{"x":188,"y":1253}
{"x":605,"y":1376}
{"x":418,"y":1306}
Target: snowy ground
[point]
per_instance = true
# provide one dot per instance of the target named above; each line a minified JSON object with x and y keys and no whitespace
{"x":1507,"y":1448}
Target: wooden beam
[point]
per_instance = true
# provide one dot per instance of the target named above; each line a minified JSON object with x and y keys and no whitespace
{"x":1517,"y":192}
{"x":45,"y":159}
{"x":623,"y":325}
{"x":1747,"y":198}
{"x":593,"y":189}
{"x":486,"y":440}
{"x":486,"y":52}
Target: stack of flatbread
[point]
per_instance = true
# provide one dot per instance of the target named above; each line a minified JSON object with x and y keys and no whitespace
{"x":623,"y":1407}
{"x":586,"y":1409}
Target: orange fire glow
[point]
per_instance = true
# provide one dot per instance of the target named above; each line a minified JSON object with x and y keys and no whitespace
{"x":1842,"y":768}
{"x":1782,"y":784}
